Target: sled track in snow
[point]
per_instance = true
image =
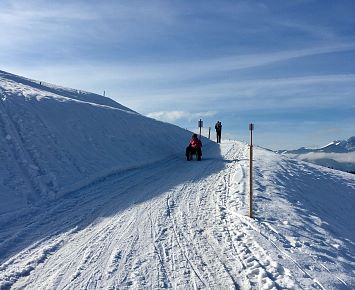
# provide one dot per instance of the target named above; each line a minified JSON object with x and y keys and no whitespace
{"x":187,"y":235}
{"x":258,"y":268}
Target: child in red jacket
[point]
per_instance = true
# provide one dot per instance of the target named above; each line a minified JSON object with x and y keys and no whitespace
{"x":194,"y":147}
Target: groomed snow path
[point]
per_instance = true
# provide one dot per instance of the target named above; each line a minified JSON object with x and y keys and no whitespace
{"x":170,"y":225}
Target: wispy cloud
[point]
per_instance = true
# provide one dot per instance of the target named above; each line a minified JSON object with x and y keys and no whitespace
{"x":183,"y":70}
{"x":88,"y":31}
{"x":173,"y":116}
{"x":169,"y":73}
{"x":299,"y":92}
{"x":76,"y":29}
{"x":31,"y":21}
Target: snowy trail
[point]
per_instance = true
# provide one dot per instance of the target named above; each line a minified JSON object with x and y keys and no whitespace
{"x":169,"y":225}
{"x":120,"y":193}
{"x":143,"y":218}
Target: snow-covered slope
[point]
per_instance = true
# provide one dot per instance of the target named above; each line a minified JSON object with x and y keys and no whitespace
{"x":337,"y":154}
{"x":341,"y":146}
{"x":148,"y":219}
{"x":55,"y":140}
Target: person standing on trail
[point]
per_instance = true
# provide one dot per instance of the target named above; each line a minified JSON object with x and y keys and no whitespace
{"x":218,"y":128}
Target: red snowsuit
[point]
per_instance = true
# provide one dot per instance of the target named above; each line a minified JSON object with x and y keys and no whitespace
{"x":195,"y":143}
{"x":194,"y":147}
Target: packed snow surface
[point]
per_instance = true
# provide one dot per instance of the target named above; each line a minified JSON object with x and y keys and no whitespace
{"x":97,"y":196}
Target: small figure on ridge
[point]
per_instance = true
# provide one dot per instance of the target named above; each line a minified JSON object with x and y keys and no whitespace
{"x":218,"y":128}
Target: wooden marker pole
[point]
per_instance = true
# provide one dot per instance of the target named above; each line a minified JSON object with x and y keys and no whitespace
{"x":251,"y":128}
{"x":209,"y":132}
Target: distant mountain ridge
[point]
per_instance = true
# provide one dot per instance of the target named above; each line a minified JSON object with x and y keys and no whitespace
{"x":338,"y":146}
{"x":338,"y":155}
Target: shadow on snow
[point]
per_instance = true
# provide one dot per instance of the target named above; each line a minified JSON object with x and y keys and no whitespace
{"x":105,"y":198}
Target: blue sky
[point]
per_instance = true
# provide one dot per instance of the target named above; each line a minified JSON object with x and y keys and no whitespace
{"x":287,"y":66}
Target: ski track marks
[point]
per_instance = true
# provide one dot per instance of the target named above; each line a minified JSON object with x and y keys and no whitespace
{"x":145,"y":231}
{"x":302,"y":249}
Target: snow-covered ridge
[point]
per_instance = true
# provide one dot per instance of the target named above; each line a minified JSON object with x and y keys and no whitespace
{"x":54,"y":140}
{"x":338,"y":146}
{"x":14,"y":83}
{"x":337,"y":154}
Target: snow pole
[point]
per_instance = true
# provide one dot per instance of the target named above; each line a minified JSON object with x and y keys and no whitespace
{"x":209,"y":132}
{"x":251,"y":128}
{"x":200,"y":125}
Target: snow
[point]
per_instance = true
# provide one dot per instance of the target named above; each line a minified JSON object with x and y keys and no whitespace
{"x":54,"y":142}
{"x":95,"y":195}
{"x":339,"y":161}
{"x":339,"y":155}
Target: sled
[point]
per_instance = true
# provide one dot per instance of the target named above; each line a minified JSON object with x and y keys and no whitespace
{"x":189,"y":157}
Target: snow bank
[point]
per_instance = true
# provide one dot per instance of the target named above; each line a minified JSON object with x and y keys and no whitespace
{"x":54,"y":140}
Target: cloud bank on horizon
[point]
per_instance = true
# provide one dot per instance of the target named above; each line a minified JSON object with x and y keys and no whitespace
{"x":286,"y":66}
